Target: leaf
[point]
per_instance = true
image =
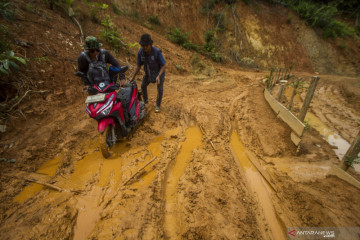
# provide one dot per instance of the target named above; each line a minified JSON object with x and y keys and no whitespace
{"x":11,"y":53}
{"x":3,"y":70}
{"x":23,"y":61}
{"x":6,"y":64}
{"x":14,"y":65}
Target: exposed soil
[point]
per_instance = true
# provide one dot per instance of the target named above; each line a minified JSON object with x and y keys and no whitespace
{"x":193,"y":171}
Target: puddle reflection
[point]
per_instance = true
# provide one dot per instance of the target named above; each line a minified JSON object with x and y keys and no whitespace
{"x":330,"y":136}
{"x":258,"y":185}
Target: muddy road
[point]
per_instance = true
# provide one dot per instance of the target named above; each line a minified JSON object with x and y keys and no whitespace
{"x":216,"y":163}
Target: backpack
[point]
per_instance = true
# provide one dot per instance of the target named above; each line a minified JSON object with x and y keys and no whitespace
{"x":98,"y":71}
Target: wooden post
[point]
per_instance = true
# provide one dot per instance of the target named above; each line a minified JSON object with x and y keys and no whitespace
{"x":285,"y":73}
{"x":352,"y":152}
{"x":278,"y":76}
{"x":308,"y":98}
{"x":271,"y":78}
{"x":281,"y":92}
{"x":294,"y":93}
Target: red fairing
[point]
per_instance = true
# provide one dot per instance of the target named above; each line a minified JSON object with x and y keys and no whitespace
{"x":103,"y":123}
{"x":93,"y":110}
{"x":118,"y":107}
{"x":133,"y":99}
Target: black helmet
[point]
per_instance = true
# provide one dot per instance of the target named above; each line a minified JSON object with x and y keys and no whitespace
{"x":145,"y":39}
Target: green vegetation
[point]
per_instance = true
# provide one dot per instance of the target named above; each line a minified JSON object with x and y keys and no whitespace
{"x":154,"y":20}
{"x":134,"y":14}
{"x":351,"y":161}
{"x":210,"y":46}
{"x":177,"y":36}
{"x":116,"y":10}
{"x":5,"y":10}
{"x":8,"y":60}
{"x":95,"y":9}
{"x":322,"y":14}
{"x":111,"y":35}
{"x":220,"y":21}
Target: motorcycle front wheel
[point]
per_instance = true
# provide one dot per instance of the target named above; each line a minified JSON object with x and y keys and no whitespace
{"x":106,"y":141}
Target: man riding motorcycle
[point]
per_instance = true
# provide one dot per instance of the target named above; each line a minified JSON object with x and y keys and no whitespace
{"x":117,"y":113}
{"x":95,"y":59}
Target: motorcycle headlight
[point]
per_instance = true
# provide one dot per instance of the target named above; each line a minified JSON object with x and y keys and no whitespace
{"x":107,"y":105}
{"x":107,"y":110}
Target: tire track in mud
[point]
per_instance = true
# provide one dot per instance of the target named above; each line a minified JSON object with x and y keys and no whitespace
{"x":193,"y":137}
{"x":259,"y":187}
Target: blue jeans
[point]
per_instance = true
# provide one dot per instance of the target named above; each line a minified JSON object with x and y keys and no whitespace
{"x":160,"y":89}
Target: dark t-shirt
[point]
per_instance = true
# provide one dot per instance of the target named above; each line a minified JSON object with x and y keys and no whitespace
{"x":154,"y":60}
{"x":83,"y":64}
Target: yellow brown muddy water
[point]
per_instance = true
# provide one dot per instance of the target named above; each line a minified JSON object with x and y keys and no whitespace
{"x":330,"y":136}
{"x":193,"y":140}
{"x":109,"y":177}
{"x":258,"y":186}
{"x":49,"y":168}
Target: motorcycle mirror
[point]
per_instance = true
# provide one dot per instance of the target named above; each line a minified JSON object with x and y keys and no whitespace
{"x":79,"y":74}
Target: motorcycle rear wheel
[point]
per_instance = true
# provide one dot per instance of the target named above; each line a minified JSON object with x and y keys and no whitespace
{"x":105,"y":141}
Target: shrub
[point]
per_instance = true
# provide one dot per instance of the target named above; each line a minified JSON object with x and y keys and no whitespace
{"x":116,"y":10}
{"x":8,"y":60}
{"x":220,"y":21}
{"x":5,"y":10}
{"x":322,"y":16}
{"x":210,"y":46}
{"x":134,"y":14}
{"x":111,"y":35}
{"x":95,"y":10}
{"x":177,"y":36}
{"x":154,"y":20}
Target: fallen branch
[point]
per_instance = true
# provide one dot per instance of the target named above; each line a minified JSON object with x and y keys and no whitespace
{"x":202,"y":130}
{"x":26,"y":93}
{"x":212,"y":145}
{"x":45,"y":184}
{"x":138,"y":171}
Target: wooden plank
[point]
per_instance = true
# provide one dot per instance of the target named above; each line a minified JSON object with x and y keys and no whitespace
{"x":295,"y":139}
{"x":290,"y":119}
{"x":335,"y":170}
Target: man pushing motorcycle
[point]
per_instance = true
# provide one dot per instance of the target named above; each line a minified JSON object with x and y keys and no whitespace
{"x":154,"y":67}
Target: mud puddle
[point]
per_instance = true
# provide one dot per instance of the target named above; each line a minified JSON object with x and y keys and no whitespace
{"x":334,"y":139}
{"x":48,"y":169}
{"x":193,"y":140}
{"x":258,"y":185}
